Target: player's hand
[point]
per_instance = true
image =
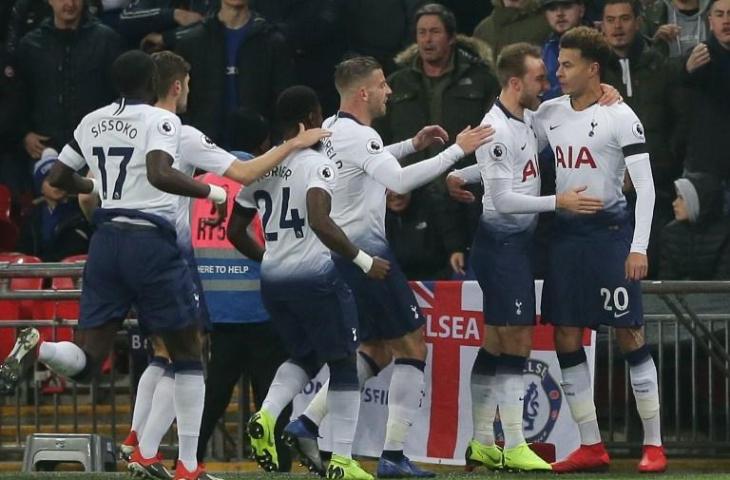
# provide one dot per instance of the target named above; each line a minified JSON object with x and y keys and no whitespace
{"x":306,"y":138}
{"x":472,"y":138}
{"x":610,"y":96}
{"x":576,"y":202}
{"x":457,"y":191}
{"x":637,"y":266}
{"x":457,"y":262}
{"x":667,"y":33}
{"x":34,"y":144}
{"x":430,"y":135}
{"x":186,"y":17}
{"x":380,"y":269}
{"x":221,"y":212}
{"x":699,"y":57}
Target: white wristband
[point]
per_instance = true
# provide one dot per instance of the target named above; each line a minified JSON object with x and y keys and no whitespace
{"x":95,"y":187}
{"x":363,"y":260}
{"x":217,"y":194}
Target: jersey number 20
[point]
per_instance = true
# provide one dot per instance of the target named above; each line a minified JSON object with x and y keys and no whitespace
{"x":296,"y":222}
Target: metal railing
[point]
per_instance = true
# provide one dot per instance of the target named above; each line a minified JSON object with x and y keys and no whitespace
{"x":687,"y":326}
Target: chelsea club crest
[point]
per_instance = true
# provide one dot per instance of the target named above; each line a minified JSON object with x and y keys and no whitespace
{"x":542,"y":401}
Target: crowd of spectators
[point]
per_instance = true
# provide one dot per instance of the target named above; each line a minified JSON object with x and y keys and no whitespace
{"x":671,"y":65}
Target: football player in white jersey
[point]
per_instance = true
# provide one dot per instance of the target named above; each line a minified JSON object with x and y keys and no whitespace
{"x":501,"y":257}
{"x":133,"y":258}
{"x":311,"y":306}
{"x":390,"y":320}
{"x":197,"y":151}
{"x":596,"y":262}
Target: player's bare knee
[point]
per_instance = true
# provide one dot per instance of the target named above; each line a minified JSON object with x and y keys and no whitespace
{"x":183,"y":345}
{"x":379,"y":351}
{"x":568,"y":339}
{"x":630,"y":339}
{"x":411,"y":345}
{"x":515,"y":340}
{"x":490,"y":341}
{"x":158,"y":347}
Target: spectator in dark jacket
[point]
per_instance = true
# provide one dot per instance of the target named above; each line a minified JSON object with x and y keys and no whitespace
{"x":316,"y":37}
{"x":238,"y":60}
{"x":423,"y":234}
{"x":696,"y":245}
{"x":708,"y":77}
{"x":676,"y":26}
{"x":64,"y":65}
{"x":56,"y":228}
{"x":444,"y":79}
{"x":158,"y":23}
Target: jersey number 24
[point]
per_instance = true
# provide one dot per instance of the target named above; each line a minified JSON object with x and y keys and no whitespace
{"x":295,"y":222}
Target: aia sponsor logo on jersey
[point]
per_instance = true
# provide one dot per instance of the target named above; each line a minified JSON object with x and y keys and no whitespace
{"x":531,"y":169}
{"x":574,"y":157}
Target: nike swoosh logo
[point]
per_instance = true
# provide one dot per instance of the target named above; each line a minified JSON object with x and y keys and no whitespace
{"x":619,"y":315}
{"x":553,"y":127}
{"x":523,"y":147}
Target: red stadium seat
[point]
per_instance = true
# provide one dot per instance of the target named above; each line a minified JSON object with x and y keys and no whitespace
{"x":5,"y":202}
{"x":17,"y":309}
{"x":9,"y":234}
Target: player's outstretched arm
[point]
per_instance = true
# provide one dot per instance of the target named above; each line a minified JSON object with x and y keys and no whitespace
{"x":163,"y":177}
{"x":319,"y":204}
{"x":402,"y":180}
{"x":238,"y":233}
{"x":251,"y":170}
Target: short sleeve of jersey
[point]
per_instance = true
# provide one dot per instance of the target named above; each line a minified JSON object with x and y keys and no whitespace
{"x":70,"y":156}
{"x":629,"y":132}
{"x":495,"y":157}
{"x":322,"y":174}
{"x":163,"y":133}
{"x":199,"y":151}
{"x":245,"y":198}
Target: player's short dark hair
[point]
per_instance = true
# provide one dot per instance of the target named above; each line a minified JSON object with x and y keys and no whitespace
{"x":295,"y":104}
{"x":134,"y":74}
{"x":511,"y":61}
{"x":247,"y":130}
{"x":445,"y":15}
{"x":171,"y":67}
{"x":590,"y":42}
{"x":635,"y":5}
{"x":353,"y":70}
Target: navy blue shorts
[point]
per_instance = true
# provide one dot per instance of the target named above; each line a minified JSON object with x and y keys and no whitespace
{"x":503,"y":266}
{"x":314,"y":316}
{"x":586,"y":282}
{"x":141,"y":266}
{"x":387,"y":308}
{"x":201,"y":307}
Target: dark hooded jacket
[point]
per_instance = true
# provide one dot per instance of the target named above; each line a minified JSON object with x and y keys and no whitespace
{"x":698,"y":250}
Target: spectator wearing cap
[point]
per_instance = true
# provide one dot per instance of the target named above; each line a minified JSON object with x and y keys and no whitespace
{"x":513,"y":21}
{"x":443,"y":79}
{"x":561,"y":15}
{"x":56,"y":227}
{"x":696,"y":244}
{"x":707,"y":75}
{"x":64,"y":65}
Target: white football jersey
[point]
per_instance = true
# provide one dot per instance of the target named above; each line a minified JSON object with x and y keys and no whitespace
{"x":293,"y":250}
{"x":591,"y":146}
{"x":511,"y":154}
{"x":197,"y":151}
{"x":114,"y":141}
{"x":358,"y":204}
